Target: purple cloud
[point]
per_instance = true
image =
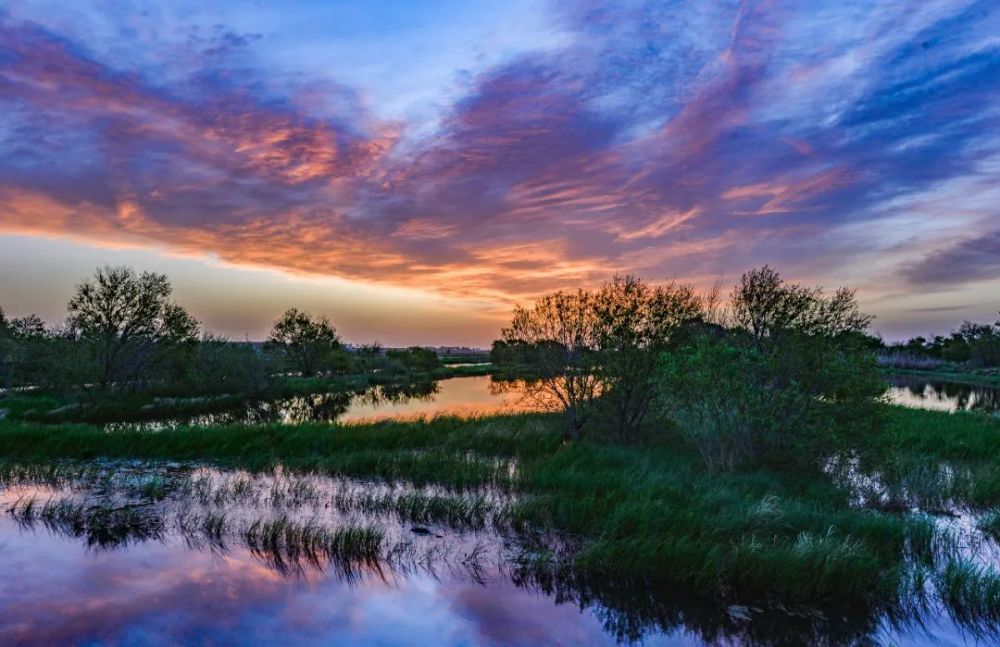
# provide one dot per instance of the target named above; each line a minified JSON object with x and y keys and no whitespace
{"x":691,"y":139}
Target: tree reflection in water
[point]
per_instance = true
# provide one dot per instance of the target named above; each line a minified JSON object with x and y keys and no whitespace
{"x":916,"y":391}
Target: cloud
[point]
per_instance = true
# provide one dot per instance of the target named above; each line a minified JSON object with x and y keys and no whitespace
{"x":973,"y":259}
{"x":643,"y":142}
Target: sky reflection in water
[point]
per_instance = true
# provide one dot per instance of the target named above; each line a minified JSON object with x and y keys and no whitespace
{"x":58,"y":592}
{"x":918,"y":392}
{"x":481,"y":395}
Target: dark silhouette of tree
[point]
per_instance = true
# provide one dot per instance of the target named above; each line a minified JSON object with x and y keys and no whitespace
{"x":128,"y":320}
{"x":552,"y":344}
{"x":764,"y":305}
{"x":6,"y":350}
{"x":308,"y":345}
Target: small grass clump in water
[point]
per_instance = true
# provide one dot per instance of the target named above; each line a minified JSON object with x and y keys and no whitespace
{"x":286,"y":543}
{"x":456,"y":511}
{"x":971,"y":591}
{"x":101,"y":525}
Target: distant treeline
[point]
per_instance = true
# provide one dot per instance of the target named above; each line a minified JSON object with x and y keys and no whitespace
{"x":124,"y":333}
{"x":976,"y":345}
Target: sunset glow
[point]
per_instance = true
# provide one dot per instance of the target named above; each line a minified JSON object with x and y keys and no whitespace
{"x":438,"y":163}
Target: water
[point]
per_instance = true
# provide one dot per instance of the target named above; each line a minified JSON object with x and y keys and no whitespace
{"x":482,"y":395}
{"x":460,"y":396}
{"x":136,"y":553}
{"x":923,"y":393}
{"x":163,"y":573}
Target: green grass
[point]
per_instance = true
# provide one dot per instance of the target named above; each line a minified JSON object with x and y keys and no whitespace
{"x":103,"y":526}
{"x":971,"y":591}
{"x":954,"y":455}
{"x":285,"y":542}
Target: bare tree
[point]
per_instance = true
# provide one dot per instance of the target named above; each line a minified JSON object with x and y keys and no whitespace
{"x":553,"y":342}
{"x":128,"y":318}
{"x":764,"y":305}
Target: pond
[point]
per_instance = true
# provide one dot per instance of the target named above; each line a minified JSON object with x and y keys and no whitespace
{"x":922,"y":393}
{"x":482,"y":395}
{"x":459,"y":396}
{"x":143,"y":553}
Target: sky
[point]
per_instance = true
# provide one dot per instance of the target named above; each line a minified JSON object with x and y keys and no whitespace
{"x":414,"y":169}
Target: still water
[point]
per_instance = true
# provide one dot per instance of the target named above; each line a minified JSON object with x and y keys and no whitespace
{"x":143,"y":555}
{"x":151,"y":554}
{"x":922,"y":393}
{"x":481,"y":395}
{"x":460,"y":396}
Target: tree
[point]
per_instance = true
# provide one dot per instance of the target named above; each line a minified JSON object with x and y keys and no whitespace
{"x":309,"y":345}
{"x":766,"y":307}
{"x":553,"y":346}
{"x":6,"y":350}
{"x":794,"y":381}
{"x":635,"y":323}
{"x":415,"y":359}
{"x":128,"y":320}
{"x":982,"y":342}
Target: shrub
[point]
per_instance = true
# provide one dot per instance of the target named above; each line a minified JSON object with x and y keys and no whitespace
{"x":635,"y":322}
{"x":414,"y":359}
{"x":225,"y":366}
{"x":794,"y":382}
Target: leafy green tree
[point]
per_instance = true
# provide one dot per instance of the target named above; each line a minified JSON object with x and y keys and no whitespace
{"x":129,"y":322}
{"x":308,"y":345}
{"x":635,"y":323}
{"x":795,"y":381}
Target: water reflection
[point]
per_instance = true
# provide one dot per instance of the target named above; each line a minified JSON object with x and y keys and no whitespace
{"x":921,"y":393}
{"x":461,"y":396}
{"x":161,"y":593}
{"x":468,"y":396}
{"x":134,"y":553}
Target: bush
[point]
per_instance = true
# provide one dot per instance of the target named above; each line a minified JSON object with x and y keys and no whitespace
{"x":223,"y":366}
{"x":414,"y":359}
{"x":635,"y":322}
